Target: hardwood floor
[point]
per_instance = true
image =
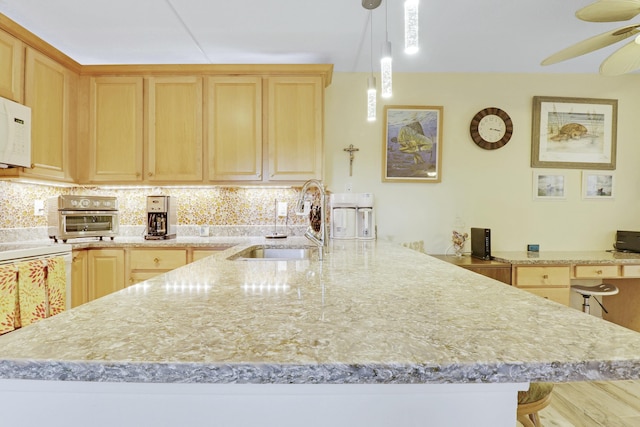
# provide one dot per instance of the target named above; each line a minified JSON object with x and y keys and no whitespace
{"x":593,"y":404}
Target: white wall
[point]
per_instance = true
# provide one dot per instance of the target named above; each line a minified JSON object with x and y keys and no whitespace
{"x":485,"y":188}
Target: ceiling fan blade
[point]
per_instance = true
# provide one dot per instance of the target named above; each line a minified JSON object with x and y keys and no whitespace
{"x":623,"y":60}
{"x":609,"y":11}
{"x":593,"y":43}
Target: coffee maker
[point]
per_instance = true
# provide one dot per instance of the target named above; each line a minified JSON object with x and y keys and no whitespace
{"x":161,"y":218}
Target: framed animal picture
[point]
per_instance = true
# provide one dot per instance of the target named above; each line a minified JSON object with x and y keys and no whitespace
{"x":412,"y":145}
{"x":576,"y":133}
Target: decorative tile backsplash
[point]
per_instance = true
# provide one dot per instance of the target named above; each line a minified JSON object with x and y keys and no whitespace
{"x":213,"y":206}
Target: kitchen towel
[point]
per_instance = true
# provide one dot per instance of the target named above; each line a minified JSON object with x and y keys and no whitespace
{"x":32,"y":291}
{"x":9,"y":309}
{"x":56,"y":285}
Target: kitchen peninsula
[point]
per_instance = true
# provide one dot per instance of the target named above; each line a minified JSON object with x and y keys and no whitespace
{"x":376,"y":334}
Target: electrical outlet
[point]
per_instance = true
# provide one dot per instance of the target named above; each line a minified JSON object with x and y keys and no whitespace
{"x":349,"y":187}
{"x":38,"y":208}
{"x":282,"y":209}
{"x":306,"y":208}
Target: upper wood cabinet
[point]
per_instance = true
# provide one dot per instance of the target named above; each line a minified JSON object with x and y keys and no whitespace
{"x":115,"y":136}
{"x":11,"y":67}
{"x":295,"y":128}
{"x":50,"y":91}
{"x":174,"y":129}
{"x":233,"y":111}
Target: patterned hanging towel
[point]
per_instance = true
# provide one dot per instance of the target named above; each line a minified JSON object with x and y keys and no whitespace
{"x":56,"y":285}
{"x":32,"y":291}
{"x":9,"y":309}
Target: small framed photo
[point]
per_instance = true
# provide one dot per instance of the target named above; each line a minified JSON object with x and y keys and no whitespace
{"x":549,"y":186}
{"x":597,"y":185}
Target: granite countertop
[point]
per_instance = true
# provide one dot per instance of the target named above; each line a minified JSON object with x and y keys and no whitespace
{"x":371,"y":312}
{"x":567,"y":257}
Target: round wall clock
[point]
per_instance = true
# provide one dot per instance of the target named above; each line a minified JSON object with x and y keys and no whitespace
{"x":491,"y":128}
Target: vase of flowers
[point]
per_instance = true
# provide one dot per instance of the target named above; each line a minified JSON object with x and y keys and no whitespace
{"x":458,"y":238}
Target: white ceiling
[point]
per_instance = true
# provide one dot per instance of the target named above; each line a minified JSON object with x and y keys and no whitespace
{"x":510,"y":36}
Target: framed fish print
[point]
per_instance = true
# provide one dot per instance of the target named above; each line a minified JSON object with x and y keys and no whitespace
{"x":412,"y":144}
{"x":576,"y":133}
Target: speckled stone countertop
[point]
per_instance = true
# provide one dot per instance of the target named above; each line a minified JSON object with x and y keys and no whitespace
{"x":371,"y":312}
{"x":567,"y":257}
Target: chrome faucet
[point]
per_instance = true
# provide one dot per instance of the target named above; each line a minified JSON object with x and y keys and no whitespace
{"x":318,"y":237}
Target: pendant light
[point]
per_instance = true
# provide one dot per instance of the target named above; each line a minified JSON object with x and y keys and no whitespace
{"x":371,"y":81}
{"x":411,"y":26}
{"x":385,"y":60}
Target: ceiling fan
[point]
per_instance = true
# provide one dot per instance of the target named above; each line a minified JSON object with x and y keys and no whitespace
{"x":625,"y":59}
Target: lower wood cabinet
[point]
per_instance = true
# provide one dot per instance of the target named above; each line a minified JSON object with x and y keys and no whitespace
{"x":147,"y":263}
{"x":550,"y":282}
{"x":79,"y":285}
{"x":105,"y":272}
{"x":99,"y":272}
{"x":496,"y":270}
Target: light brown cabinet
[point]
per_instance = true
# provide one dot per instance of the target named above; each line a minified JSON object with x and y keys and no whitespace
{"x":233,"y":110}
{"x":147,"y":263}
{"x":174,"y":129}
{"x":50,"y":91}
{"x":494,"y":269}
{"x":198,"y":254}
{"x":551,"y":282}
{"x":105,"y":272}
{"x":295,"y":128}
{"x":115,"y":131}
{"x":79,"y":271}
{"x":11,"y":67}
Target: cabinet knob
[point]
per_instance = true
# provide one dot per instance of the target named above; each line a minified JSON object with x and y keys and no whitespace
{"x":545,"y":276}
{"x":150,"y":174}
{"x":138,"y":174}
{"x":156,"y":260}
{"x":599,"y":272}
{"x":74,"y":259}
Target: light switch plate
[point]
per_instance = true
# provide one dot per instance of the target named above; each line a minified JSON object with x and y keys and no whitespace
{"x":282,"y":209}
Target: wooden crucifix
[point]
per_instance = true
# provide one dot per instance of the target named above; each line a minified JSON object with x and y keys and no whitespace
{"x":351,"y":149}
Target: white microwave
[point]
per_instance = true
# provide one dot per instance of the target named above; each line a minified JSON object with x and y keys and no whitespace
{"x":15,"y":134}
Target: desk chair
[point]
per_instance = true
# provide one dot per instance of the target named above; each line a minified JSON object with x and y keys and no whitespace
{"x":531,"y":401}
{"x":587,"y":292}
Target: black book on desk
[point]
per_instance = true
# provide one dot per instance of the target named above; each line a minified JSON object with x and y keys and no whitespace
{"x":481,"y":243}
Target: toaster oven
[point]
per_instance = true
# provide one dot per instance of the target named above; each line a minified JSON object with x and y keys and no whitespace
{"x":70,"y":216}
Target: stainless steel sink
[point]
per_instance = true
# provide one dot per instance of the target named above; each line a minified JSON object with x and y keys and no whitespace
{"x":273,"y":253}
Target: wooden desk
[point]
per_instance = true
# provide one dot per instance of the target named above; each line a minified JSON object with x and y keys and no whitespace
{"x":495,"y":269}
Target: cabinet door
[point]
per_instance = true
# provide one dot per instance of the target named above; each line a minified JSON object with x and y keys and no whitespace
{"x":48,"y":91}
{"x":295,"y":128}
{"x":234,"y":128}
{"x":115,"y":129}
{"x":79,"y":269}
{"x":105,"y":272}
{"x":11,"y":67}
{"x":174,"y":129}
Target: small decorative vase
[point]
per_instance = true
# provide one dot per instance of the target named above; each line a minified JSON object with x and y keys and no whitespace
{"x":458,"y":240}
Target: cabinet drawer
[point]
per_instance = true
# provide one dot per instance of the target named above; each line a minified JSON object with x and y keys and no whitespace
{"x":203,"y":253}
{"x":137,"y":277}
{"x":559,"y":295}
{"x":542,"y":276}
{"x":631,"y":271}
{"x":157,"y":259}
{"x":595,"y":271}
